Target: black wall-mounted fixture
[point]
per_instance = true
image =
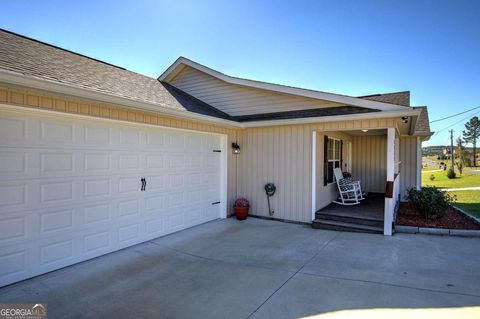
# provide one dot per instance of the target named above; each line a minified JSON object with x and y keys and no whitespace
{"x":405,"y":119}
{"x":235,"y":148}
{"x":270,"y":189}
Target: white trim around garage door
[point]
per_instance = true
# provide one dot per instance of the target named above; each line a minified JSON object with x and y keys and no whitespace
{"x":223,"y":138}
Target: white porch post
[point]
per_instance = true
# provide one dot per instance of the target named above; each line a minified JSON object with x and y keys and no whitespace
{"x":389,"y":201}
{"x":314,"y":174}
{"x":419,"y":163}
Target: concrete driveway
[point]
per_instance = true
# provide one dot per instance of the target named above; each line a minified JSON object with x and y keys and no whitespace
{"x":266,"y":269}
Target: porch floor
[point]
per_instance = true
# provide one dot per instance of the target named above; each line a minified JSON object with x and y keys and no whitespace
{"x":368,"y":216}
{"x":372,"y":207}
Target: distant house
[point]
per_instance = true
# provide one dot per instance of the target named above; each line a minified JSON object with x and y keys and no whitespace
{"x":96,"y":158}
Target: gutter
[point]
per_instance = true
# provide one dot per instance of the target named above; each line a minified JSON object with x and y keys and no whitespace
{"x":14,"y":78}
{"x":335,"y":118}
{"x":62,"y":88}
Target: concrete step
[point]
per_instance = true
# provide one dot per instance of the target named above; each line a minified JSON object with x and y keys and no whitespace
{"x":343,"y":226}
{"x":357,"y":220}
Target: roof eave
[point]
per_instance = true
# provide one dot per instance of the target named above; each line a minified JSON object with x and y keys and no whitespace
{"x":13,"y":78}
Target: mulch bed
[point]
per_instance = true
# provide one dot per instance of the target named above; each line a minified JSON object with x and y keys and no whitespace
{"x":452,"y":219}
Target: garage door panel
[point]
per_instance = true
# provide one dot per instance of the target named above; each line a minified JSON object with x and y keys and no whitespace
{"x":155,"y":139}
{"x":13,"y":196}
{"x":130,"y":137}
{"x":100,"y":214}
{"x":129,"y":209}
{"x":155,"y":227}
{"x":14,"y":130}
{"x":155,"y":161}
{"x":70,"y":190}
{"x":13,"y":164}
{"x":96,"y":243}
{"x":97,"y":135}
{"x":14,"y":261}
{"x":128,"y":233}
{"x":57,"y":132}
{"x":174,"y":141}
{"x":97,"y":162}
{"x":14,"y":229}
{"x":98,"y":188}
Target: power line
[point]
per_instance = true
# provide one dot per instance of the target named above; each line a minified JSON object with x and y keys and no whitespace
{"x":445,"y":128}
{"x":446,"y":118}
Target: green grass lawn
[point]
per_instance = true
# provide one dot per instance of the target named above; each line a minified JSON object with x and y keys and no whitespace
{"x":469,"y":201}
{"x":467,"y":179}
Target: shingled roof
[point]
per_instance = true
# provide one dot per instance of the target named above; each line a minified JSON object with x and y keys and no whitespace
{"x":44,"y":61}
{"x":422,"y":126}
{"x":33,"y":58}
{"x":399,"y":98}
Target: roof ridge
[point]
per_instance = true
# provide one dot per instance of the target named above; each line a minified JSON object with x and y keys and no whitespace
{"x":380,"y":94}
{"x":60,"y":48}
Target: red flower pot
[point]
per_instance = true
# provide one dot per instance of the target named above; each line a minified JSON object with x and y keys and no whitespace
{"x":241,"y":212}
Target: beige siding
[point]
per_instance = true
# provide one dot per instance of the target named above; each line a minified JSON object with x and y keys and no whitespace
{"x":283,"y":155}
{"x":60,"y":103}
{"x":326,"y":194}
{"x":369,"y":162}
{"x":408,"y":166}
{"x":240,"y":100}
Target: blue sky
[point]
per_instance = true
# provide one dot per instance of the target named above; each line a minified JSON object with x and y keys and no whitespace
{"x":431,"y":48}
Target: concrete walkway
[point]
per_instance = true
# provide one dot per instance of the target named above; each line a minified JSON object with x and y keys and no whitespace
{"x":476,"y":188}
{"x":267,"y":269}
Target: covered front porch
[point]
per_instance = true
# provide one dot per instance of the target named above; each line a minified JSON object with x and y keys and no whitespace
{"x":370,"y":156}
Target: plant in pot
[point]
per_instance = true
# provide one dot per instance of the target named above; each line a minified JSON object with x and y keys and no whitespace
{"x":241,"y":208}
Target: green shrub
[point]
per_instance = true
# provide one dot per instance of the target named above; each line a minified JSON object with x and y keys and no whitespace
{"x":468,"y":162}
{"x":432,"y":177}
{"x":451,"y":173}
{"x":430,"y":201}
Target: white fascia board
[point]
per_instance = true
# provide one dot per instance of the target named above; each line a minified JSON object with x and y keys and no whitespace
{"x":324,"y":119}
{"x":12,"y":78}
{"x":172,"y":71}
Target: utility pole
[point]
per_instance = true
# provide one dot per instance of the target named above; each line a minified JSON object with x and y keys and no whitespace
{"x":451,"y":149}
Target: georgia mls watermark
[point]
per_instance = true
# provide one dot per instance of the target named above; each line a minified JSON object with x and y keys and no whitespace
{"x":23,"y":311}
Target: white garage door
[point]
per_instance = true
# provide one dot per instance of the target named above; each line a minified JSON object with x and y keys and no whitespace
{"x":71,"y":189}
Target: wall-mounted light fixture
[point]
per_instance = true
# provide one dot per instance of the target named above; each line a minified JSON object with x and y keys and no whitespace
{"x":364,"y":131}
{"x":405,"y":119}
{"x":235,"y":148}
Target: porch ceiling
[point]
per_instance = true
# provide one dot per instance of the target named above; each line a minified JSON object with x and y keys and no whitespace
{"x":367,"y":133}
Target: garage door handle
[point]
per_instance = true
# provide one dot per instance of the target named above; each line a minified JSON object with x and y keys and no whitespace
{"x":215,"y":203}
{"x":143,"y":184}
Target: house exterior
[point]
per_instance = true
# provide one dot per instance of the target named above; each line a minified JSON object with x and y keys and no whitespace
{"x":95,"y":158}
